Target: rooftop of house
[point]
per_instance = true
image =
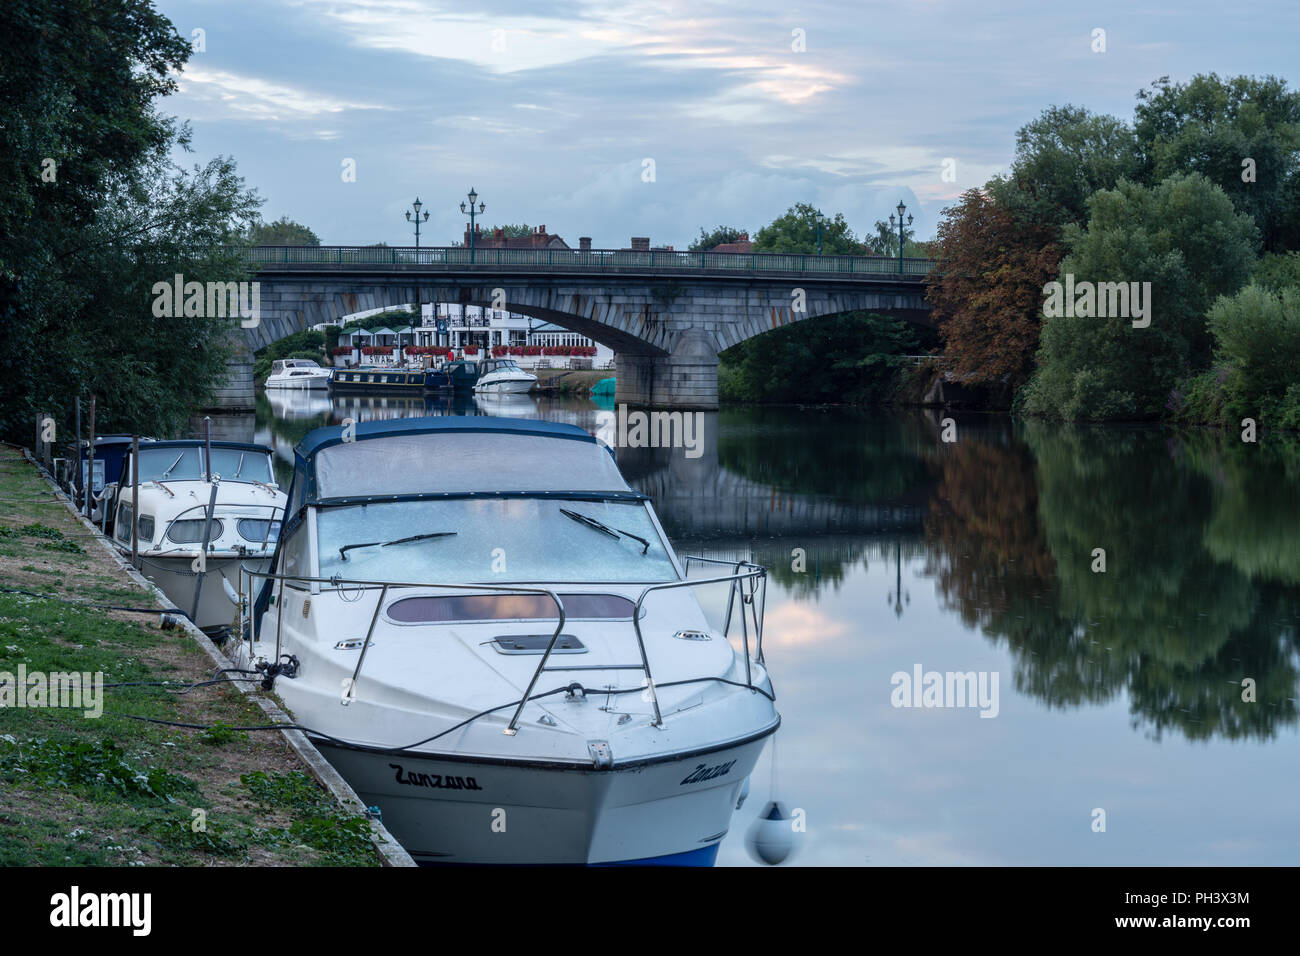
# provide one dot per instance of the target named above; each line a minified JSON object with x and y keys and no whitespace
{"x":539,"y":238}
{"x":742,"y":244}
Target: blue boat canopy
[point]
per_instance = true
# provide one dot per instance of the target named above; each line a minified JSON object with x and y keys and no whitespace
{"x":454,"y":455}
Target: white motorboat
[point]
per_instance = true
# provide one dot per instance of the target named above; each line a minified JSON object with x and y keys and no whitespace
{"x":232,"y":520}
{"x":504,"y":376}
{"x":297,"y":373}
{"x":491,"y":638}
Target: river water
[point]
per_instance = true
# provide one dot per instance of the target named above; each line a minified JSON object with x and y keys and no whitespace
{"x":1142,"y":714}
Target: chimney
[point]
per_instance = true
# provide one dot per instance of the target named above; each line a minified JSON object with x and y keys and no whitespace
{"x":640,"y":243}
{"x":584,"y":243}
{"x":541,"y":230}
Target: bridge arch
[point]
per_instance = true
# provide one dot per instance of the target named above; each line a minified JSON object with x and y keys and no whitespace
{"x":665,"y":315}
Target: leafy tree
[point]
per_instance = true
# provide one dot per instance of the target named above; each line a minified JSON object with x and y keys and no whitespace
{"x":795,"y":231}
{"x":1062,"y":157}
{"x":283,"y":232}
{"x":81,"y":247}
{"x":1213,"y":126}
{"x":987,"y":293}
{"x":1278,"y":271}
{"x":1257,"y":335}
{"x":715,"y":237}
{"x":511,"y":231}
{"x":1184,"y":238}
{"x":151,"y":372}
{"x":1001,"y":244}
{"x":884,"y":242}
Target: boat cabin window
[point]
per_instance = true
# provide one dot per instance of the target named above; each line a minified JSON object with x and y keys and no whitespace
{"x":509,"y":607}
{"x":190,"y":530}
{"x":493,"y":540}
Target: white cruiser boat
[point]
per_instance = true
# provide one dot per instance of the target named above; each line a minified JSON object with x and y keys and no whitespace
{"x":297,"y":373}
{"x":236,"y":514}
{"x":504,"y":376}
{"x":491,"y":638}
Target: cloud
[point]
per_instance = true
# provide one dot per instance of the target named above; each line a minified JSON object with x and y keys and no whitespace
{"x":233,"y":95}
{"x":549,"y":106}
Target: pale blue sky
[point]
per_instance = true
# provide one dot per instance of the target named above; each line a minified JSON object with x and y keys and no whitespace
{"x":550,"y":109}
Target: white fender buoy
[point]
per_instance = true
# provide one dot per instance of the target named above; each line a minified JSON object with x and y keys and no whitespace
{"x":771,"y":837}
{"x":230,"y":591}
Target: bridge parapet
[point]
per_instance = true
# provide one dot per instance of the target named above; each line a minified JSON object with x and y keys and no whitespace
{"x":457,"y":258}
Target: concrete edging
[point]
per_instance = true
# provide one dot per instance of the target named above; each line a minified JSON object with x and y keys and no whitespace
{"x":389,"y":849}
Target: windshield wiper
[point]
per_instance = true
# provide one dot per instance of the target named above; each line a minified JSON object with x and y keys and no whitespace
{"x":168,"y":472}
{"x":604,"y":529}
{"x":384,"y":544}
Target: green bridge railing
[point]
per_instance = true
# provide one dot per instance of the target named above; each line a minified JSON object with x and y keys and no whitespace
{"x":588,"y":259}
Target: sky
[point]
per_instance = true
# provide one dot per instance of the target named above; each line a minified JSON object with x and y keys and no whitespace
{"x":617,"y":119}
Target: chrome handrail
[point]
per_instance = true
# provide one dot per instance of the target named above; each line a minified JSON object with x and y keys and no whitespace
{"x":384,"y":586}
{"x":754,"y":576}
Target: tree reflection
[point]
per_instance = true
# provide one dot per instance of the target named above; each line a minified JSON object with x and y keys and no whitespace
{"x":1168,"y":620}
{"x":1198,"y":591}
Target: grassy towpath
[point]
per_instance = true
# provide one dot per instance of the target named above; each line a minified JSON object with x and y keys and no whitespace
{"x":83,"y":790}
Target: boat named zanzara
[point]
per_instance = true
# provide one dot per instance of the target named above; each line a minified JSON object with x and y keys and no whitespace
{"x":490,"y":636}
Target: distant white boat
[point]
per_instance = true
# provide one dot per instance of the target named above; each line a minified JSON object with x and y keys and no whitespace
{"x":504,"y":376}
{"x":297,"y":373}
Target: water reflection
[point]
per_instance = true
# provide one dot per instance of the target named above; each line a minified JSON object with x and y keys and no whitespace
{"x":888,"y":546}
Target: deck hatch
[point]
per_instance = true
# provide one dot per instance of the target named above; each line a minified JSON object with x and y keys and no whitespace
{"x":537,"y":643}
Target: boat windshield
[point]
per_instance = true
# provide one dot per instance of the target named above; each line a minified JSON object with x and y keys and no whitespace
{"x":242,"y":464}
{"x":186,"y":464}
{"x":171,"y":464}
{"x":493,"y":540}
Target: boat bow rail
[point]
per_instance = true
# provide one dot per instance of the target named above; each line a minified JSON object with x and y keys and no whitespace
{"x":747,"y":585}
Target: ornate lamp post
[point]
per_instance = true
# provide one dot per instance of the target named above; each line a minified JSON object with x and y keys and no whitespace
{"x":417,"y":205}
{"x":821,"y":218}
{"x":901,"y":209}
{"x":473,"y":197}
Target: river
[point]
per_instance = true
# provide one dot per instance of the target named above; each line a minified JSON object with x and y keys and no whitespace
{"x":1142,"y":714}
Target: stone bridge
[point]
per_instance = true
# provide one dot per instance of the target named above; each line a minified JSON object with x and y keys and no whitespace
{"x":665,"y":314}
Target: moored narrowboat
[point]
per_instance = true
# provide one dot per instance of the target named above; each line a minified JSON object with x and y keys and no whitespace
{"x":453,"y":376}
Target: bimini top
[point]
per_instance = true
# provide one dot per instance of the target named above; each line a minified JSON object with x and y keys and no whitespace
{"x":454,"y":456}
